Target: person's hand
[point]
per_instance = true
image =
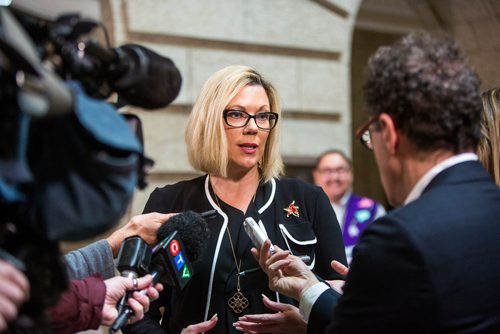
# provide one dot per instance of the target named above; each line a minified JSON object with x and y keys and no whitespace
{"x":287,"y":274}
{"x":201,"y":327}
{"x":145,"y":226}
{"x":286,"y":320}
{"x":339,"y":268}
{"x":338,"y":285}
{"x":14,"y":290}
{"x":117,"y":286}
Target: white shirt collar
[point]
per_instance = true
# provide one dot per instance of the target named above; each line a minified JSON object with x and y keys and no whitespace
{"x":345,"y":198}
{"x":424,"y":181}
{"x":339,"y":209}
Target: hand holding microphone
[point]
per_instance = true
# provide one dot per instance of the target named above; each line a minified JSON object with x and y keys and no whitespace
{"x":256,"y":233}
{"x":139,"y":301}
{"x":145,"y":226}
{"x":287,"y":274}
{"x":181,"y":239}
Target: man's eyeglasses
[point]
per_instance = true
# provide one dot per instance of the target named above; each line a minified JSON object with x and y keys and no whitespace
{"x":363,"y":133}
{"x":340,"y":171}
{"x":265,"y":120}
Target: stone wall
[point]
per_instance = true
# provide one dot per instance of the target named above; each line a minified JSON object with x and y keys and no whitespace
{"x":474,"y":24}
{"x":302,"y":46}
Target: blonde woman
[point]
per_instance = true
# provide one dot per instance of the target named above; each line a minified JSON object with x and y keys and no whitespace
{"x":233,"y":137}
{"x":488,"y":149}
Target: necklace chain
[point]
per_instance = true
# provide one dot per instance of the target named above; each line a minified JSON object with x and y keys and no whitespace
{"x":238,"y":266}
{"x":238,"y":302}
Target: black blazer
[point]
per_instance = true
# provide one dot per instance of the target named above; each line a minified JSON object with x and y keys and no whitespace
{"x":432,"y":266}
{"x":314,"y":232}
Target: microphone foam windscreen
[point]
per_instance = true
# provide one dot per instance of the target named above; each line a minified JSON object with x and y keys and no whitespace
{"x":192,"y":229}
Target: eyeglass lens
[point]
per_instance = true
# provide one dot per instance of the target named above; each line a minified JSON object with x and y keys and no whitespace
{"x":239,"y":118}
{"x":341,"y":171}
{"x":366,"y":140}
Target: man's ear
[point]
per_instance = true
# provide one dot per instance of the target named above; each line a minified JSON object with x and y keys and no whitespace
{"x":389,"y":132}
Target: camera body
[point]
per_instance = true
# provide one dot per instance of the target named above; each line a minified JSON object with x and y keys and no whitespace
{"x":69,"y":162}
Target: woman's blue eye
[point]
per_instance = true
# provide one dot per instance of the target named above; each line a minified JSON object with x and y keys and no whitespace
{"x":262,"y":116}
{"x":235,"y":114}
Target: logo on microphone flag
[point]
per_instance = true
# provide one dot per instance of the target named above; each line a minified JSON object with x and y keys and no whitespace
{"x":178,"y":264}
{"x":174,"y":247}
{"x":179,"y":261}
{"x":186,"y":273}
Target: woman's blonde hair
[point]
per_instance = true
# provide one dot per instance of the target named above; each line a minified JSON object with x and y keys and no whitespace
{"x":205,"y":136}
{"x":488,"y":149}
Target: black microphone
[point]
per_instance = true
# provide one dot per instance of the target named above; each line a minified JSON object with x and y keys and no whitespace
{"x":140,"y":76}
{"x":192,"y":229}
{"x":182,"y":240}
{"x":133,"y":261}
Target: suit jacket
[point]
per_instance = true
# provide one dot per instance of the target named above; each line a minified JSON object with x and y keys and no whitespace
{"x":432,"y":266}
{"x":313,"y":231}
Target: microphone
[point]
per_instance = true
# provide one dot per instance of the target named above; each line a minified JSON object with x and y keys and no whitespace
{"x":133,"y":261}
{"x":192,"y":230}
{"x":182,"y":240}
{"x":140,"y":76}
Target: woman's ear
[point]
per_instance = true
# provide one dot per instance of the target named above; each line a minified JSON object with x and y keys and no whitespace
{"x":389,"y":133}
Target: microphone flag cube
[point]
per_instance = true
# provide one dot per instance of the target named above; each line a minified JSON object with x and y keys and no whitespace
{"x":179,"y":266}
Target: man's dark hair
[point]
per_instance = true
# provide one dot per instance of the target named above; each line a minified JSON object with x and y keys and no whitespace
{"x":425,"y":84}
{"x":332,"y":151}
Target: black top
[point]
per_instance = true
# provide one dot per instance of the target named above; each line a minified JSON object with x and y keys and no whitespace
{"x":314,"y":232}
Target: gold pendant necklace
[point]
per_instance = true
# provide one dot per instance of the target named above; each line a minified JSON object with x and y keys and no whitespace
{"x":238,"y":302}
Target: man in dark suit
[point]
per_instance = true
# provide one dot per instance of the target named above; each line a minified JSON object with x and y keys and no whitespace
{"x":433,"y":264}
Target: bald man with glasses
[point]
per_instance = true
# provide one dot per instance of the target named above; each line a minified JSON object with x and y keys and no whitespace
{"x":333,"y":173}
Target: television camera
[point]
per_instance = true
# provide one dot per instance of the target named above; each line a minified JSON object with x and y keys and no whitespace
{"x":69,"y":162}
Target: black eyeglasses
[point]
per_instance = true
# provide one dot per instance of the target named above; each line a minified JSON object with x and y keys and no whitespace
{"x":340,"y":171}
{"x":363,"y":133}
{"x":265,"y":120}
